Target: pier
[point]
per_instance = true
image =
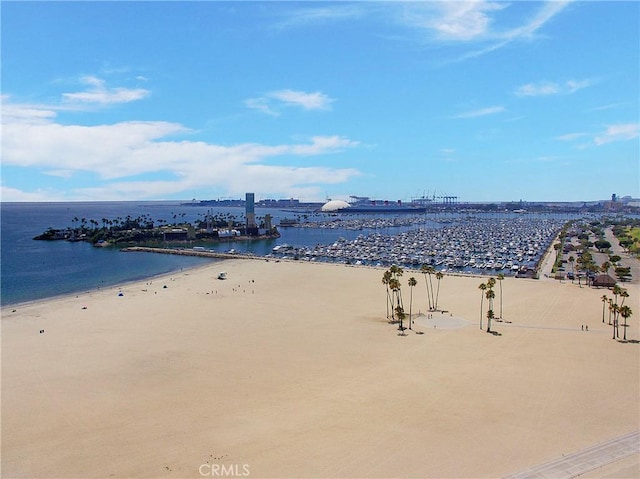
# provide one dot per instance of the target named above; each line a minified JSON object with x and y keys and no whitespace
{"x":191,"y":252}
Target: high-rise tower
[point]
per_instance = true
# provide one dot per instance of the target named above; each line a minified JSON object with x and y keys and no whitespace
{"x":250,"y":211}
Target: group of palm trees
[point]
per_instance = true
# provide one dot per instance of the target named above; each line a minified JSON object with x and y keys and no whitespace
{"x":616,"y":310}
{"x":488,"y":292}
{"x":395,"y":306}
{"x":428,"y":270}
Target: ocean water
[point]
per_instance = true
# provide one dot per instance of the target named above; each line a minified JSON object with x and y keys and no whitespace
{"x":33,"y":270}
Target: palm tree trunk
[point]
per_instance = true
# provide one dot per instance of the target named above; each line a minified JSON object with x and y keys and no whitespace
{"x":481,"y":303}
{"x":437,"y":294}
{"x":428,"y":296}
{"x":432,"y":298}
{"x":410,"y":305}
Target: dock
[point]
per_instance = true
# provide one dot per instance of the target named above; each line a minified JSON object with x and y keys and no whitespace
{"x":191,"y":252}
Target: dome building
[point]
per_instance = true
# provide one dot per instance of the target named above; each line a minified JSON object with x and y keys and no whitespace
{"x":334,"y":205}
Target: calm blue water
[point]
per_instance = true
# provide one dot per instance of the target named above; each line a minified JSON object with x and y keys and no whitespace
{"x":32,"y":270}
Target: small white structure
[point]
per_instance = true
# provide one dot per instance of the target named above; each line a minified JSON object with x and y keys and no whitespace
{"x":222,"y":275}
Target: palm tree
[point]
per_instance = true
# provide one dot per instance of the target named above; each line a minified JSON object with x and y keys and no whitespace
{"x":439,"y":276}
{"x":490,"y":294}
{"x":490,"y":316}
{"x":394,"y":284}
{"x":483,"y":288}
{"x":500,"y":278}
{"x":615,"y":308}
{"x":625,"y":312}
{"x":623,"y":295}
{"x":401,"y":316}
{"x":412,"y":283}
{"x":610,"y":309}
{"x":386,"y":277}
{"x":604,"y":300}
{"x":605,"y":267}
{"x":424,"y":269}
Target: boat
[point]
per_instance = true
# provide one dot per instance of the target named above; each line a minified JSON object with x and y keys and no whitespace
{"x":360,"y":204}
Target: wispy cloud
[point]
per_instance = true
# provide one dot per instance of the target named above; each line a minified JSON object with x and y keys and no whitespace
{"x":546,"y":88}
{"x":453,"y":21}
{"x":272,"y":102}
{"x":619,"y":132}
{"x":476,"y":23}
{"x":99,"y":94}
{"x":304,"y":17}
{"x":492,"y":110}
{"x":571,"y":136}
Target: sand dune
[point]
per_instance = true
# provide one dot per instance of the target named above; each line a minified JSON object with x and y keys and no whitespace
{"x":291,"y":370}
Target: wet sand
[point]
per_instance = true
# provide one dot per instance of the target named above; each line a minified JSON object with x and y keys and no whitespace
{"x":291,"y":369}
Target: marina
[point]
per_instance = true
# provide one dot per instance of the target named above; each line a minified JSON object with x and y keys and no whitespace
{"x":474,"y":245}
{"x":490,"y":245}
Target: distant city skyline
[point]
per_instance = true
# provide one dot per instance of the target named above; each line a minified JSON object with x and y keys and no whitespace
{"x":486,"y":100}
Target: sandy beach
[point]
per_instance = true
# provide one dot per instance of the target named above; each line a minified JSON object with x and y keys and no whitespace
{"x":291,"y":369}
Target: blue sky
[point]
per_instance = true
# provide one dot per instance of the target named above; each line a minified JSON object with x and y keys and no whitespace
{"x":487,"y":101}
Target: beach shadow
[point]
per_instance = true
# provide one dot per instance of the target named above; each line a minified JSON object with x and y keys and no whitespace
{"x":495,"y":333}
{"x":629,"y":341}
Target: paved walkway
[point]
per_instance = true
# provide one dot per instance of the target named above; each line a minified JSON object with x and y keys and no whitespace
{"x":586,"y":460}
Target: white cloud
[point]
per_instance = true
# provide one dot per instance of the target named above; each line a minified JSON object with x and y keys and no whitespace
{"x":570,"y":136}
{"x":272,"y":102}
{"x":457,"y":21}
{"x":99,"y":94}
{"x":308,"y":101}
{"x":260,"y":104}
{"x":119,"y":155}
{"x":619,"y":132}
{"x":492,"y":110}
{"x":545,"y":88}
{"x":304,"y":17}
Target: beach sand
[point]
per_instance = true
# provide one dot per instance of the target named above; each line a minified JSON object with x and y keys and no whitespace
{"x":290,"y":369}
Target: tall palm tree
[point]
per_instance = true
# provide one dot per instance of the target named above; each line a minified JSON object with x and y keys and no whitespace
{"x":412,"y":283}
{"x":430,"y":271}
{"x":394,"y":284}
{"x":439,"y":276}
{"x":401,"y":316}
{"x":424,"y":269}
{"x":490,"y":316}
{"x":615,"y":308}
{"x":604,"y":300}
{"x":500,"y":278}
{"x":605,"y":267}
{"x":386,"y":277}
{"x":482,"y":289}
{"x":610,"y":309}
{"x":623,"y":295}
{"x":625,"y":312}
{"x":490,"y":294}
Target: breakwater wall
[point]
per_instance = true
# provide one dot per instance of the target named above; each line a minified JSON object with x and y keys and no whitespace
{"x":190,"y":252}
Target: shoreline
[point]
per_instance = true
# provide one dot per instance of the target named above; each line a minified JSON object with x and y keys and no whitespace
{"x":117,"y":285}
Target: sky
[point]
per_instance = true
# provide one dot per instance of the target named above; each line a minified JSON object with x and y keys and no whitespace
{"x":483,"y":100}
